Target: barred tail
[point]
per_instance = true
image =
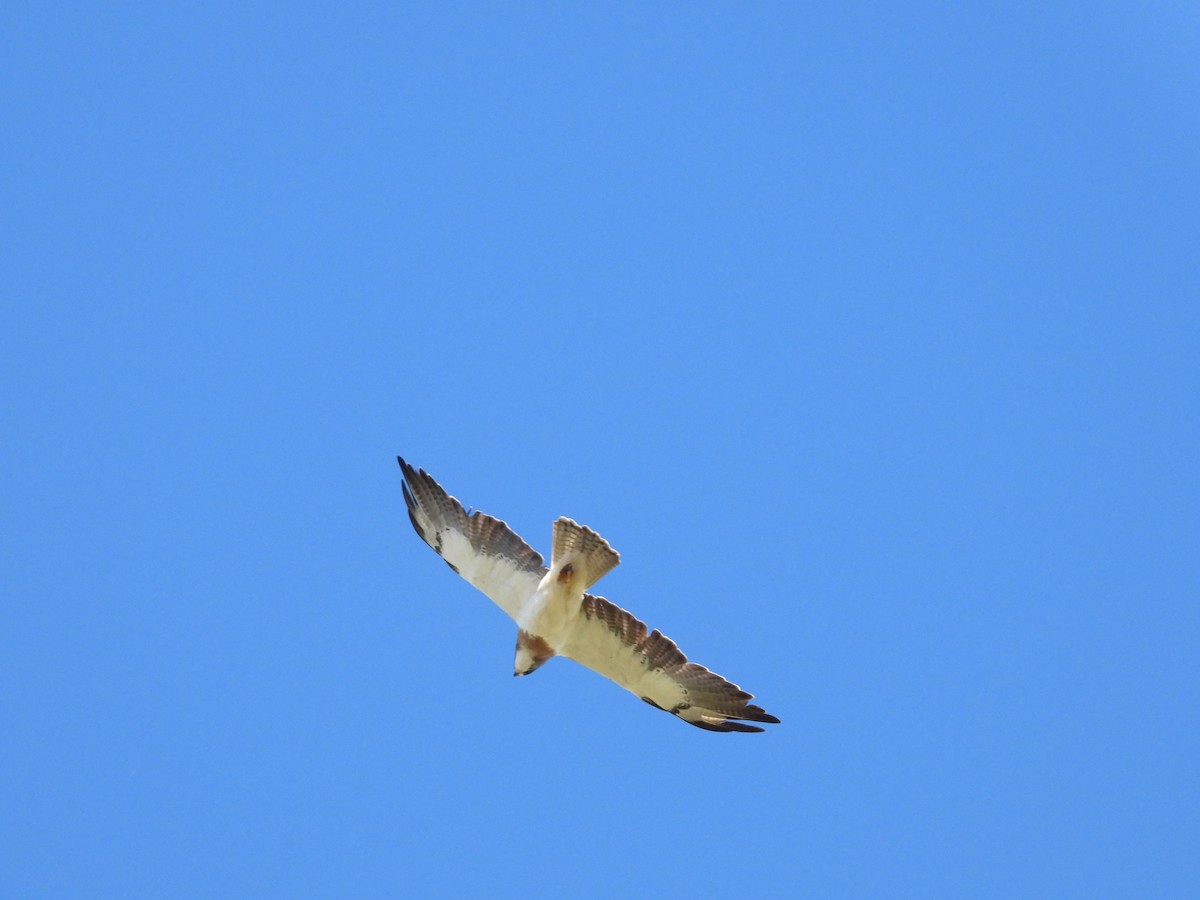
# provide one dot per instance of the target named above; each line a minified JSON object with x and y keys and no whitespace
{"x":589,"y":555}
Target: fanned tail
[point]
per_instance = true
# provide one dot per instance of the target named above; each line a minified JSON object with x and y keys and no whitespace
{"x":581,"y":553}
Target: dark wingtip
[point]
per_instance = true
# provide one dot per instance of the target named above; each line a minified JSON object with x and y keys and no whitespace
{"x":410,"y":477}
{"x":757,"y":714}
{"x":726,"y":726}
{"x":410,"y":501}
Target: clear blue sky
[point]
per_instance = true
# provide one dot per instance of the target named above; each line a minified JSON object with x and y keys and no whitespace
{"x":867,"y":333}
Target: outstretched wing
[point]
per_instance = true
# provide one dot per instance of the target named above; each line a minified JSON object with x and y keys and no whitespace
{"x":613,"y":642}
{"x":481,"y":549}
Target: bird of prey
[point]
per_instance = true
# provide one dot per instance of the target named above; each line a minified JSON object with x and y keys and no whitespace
{"x":556,"y":616}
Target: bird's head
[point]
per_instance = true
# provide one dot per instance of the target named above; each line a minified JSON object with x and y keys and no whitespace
{"x":532,"y":651}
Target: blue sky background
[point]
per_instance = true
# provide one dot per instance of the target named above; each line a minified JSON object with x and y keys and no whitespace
{"x":867,"y":333}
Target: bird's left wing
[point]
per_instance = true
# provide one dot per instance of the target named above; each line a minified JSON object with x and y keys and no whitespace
{"x":615,"y":643}
{"x":482,"y":549}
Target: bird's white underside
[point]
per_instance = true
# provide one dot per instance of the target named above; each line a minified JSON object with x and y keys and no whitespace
{"x":542,"y":607}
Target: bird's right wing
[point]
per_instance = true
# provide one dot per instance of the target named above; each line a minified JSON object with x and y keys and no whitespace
{"x":483,"y":550}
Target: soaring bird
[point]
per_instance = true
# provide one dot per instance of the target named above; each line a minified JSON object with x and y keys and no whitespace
{"x":556,"y":616}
